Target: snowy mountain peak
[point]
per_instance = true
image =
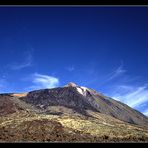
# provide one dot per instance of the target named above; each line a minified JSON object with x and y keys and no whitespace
{"x":82,"y":90}
{"x":71,"y":84}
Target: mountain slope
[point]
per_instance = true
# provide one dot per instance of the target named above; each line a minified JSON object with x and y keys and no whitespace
{"x":35,"y":127}
{"x":81,"y":99}
{"x":69,"y":114}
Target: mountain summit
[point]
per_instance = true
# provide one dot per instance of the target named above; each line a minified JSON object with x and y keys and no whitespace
{"x":82,"y":99}
{"x":71,"y":84}
{"x":75,"y":113}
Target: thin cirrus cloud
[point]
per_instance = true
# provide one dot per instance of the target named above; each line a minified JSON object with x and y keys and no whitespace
{"x":132,"y":96}
{"x":146,"y":112}
{"x":118,"y":72}
{"x":2,"y":83}
{"x":70,"y":69}
{"x":26,"y":63}
{"x":41,"y":81}
{"x":5,"y":86}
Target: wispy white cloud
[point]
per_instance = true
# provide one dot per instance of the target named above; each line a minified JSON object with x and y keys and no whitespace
{"x":5,"y":86}
{"x":136,"y":96}
{"x":132,"y":96}
{"x":70,"y":69}
{"x":41,"y":81}
{"x":117,"y":72}
{"x":145,"y":112}
{"x":2,"y":83}
{"x":26,"y":63}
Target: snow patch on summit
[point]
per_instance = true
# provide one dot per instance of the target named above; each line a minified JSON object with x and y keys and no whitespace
{"x":82,"y":90}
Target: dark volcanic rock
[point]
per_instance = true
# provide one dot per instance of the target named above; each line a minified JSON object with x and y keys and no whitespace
{"x":81,"y":99}
{"x":7,"y":106}
{"x":66,"y":96}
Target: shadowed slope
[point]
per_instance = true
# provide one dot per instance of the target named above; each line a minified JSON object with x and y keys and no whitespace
{"x":81,"y":99}
{"x":69,"y":114}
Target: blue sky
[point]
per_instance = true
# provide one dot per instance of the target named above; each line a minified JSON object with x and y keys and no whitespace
{"x":104,"y":48}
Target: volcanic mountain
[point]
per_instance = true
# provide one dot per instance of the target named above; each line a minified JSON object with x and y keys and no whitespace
{"x":69,"y":113}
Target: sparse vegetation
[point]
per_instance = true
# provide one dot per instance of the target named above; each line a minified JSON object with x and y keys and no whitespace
{"x":21,"y":121}
{"x":27,"y":127}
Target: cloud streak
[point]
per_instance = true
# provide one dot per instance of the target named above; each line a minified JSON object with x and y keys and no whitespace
{"x":145,"y":112}
{"x":136,"y":96}
{"x":132,"y":96}
{"x":41,"y":81}
{"x":26,"y":63}
{"x":70,"y":69}
{"x":118,"y":72}
{"x":2,"y":83}
{"x":5,"y":86}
